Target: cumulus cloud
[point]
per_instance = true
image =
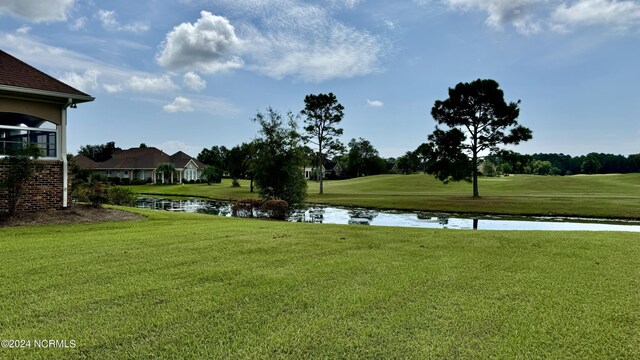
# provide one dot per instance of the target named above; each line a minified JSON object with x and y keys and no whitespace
{"x":109,"y":21}
{"x":207,"y":45}
{"x":83,"y":82}
{"x":289,"y":38}
{"x":375,"y":103}
{"x":79,"y":24}
{"x":194,"y":81}
{"x":179,"y":104}
{"x":151,"y":83}
{"x":350,"y":4}
{"x":620,"y":14}
{"x":173,"y":146}
{"x":37,"y":10}
{"x":519,"y":13}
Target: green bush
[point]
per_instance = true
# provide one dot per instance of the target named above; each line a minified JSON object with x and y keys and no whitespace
{"x":246,"y":208}
{"x":121,"y":196}
{"x":137,"y":182}
{"x":275,"y":209}
{"x":114,"y":180}
{"x":125,"y":181}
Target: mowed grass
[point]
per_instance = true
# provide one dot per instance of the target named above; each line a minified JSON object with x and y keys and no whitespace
{"x":612,"y":196}
{"x":197,"y":286}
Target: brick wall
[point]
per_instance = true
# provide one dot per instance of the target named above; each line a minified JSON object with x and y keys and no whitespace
{"x":42,"y":193}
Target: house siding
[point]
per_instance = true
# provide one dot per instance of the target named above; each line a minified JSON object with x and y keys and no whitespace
{"x":44,"y":192}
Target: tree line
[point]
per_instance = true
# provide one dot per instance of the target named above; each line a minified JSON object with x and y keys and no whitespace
{"x":474,"y":120}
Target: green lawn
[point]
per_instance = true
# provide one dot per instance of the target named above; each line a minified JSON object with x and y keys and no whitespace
{"x":198,"y":286}
{"x":615,"y":196}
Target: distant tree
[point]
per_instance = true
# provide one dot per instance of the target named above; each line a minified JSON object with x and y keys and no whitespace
{"x":408,"y":163}
{"x":212,"y":174}
{"x":238,"y":161}
{"x":541,"y":167}
{"x":216,"y":156}
{"x":477,"y":117}
{"x":634,"y":162}
{"x":423,"y":152}
{"x":447,"y":162}
{"x":322,"y":114}
{"x":278,"y":160}
{"x":143,"y":146}
{"x":363,"y":159}
{"x":591,"y":164}
{"x":167,"y":169}
{"x":99,"y":153}
{"x":21,"y":167}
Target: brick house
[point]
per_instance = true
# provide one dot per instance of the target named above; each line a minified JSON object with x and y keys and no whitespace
{"x":33,"y":109}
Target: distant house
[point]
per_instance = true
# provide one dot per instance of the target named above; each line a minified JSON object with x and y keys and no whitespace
{"x":330,"y":169}
{"x":392,"y":168}
{"x":141,"y":164}
{"x":33,"y":110}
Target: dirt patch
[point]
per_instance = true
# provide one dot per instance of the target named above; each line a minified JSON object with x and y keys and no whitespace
{"x":75,"y":215}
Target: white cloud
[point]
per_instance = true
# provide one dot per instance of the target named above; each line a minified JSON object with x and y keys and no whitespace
{"x":83,"y":82}
{"x":375,"y":103}
{"x":173,"y":146}
{"x":207,"y":46}
{"x":289,"y":38}
{"x":112,"y":88}
{"x":37,"y":10}
{"x":110,"y":22}
{"x":151,"y":83}
{"x":350,"y":4}
{"x":519,"y":13}
{"x":194,"y":81}
{"x":23,"y":30}
{"x":79,"y":23}
{"x":179,"y":104}
{"x":620,"y":14}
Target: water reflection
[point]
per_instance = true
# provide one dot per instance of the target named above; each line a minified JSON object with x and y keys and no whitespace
{"x":357,"y":216}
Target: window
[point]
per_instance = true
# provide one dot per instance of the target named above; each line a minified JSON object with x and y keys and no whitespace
{"x":19,"y":130}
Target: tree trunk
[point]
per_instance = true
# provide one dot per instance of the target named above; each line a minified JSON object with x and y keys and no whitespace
{"x":474,"y":164}
{"x":320,"y":173}
{"x":251,"y":185}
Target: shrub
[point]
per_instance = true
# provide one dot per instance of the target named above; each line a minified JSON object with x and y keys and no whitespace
{"x":114,"y":180}
{"x":235,"y":183}
{"x":137,"y":182}
{"x":246,"y":208}
{"x":192,"y":181}
{"x":149,"y":180}
{"x":275,"y":209}
{"x":121,"y":196}
{"x":125,"y":181}
{"x":96,"y":193}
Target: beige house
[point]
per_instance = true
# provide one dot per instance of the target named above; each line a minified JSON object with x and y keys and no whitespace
{"x":33,"y":110}
{"x":141,"y":164}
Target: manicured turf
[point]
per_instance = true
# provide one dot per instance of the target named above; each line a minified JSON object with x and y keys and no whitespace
{"x":614,"y":196}
{"x":198,"y":286}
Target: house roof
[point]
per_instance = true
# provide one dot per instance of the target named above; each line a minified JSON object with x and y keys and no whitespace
{"x":19,"y":77}
{"x":84,"y":162}
{"x":135,"y":158}
{"x":180,"y":160}
{"x":144,"y":158}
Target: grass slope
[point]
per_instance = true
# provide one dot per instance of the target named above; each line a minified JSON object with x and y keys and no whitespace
{"x":197,"y":286}
{"x":615,"y":196}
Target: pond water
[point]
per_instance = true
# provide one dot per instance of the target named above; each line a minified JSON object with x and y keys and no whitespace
{"x":358,"y":216}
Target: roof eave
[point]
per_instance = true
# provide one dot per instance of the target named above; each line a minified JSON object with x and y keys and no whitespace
{"x":77,"y":99}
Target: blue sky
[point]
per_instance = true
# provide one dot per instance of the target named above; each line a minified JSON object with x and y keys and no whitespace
{"x":188,"y":74}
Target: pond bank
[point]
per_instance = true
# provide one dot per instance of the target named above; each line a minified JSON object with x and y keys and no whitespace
{"x":361,"y":216}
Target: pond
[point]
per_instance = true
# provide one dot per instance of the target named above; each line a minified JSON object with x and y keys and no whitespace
{"x":358,"y":216}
